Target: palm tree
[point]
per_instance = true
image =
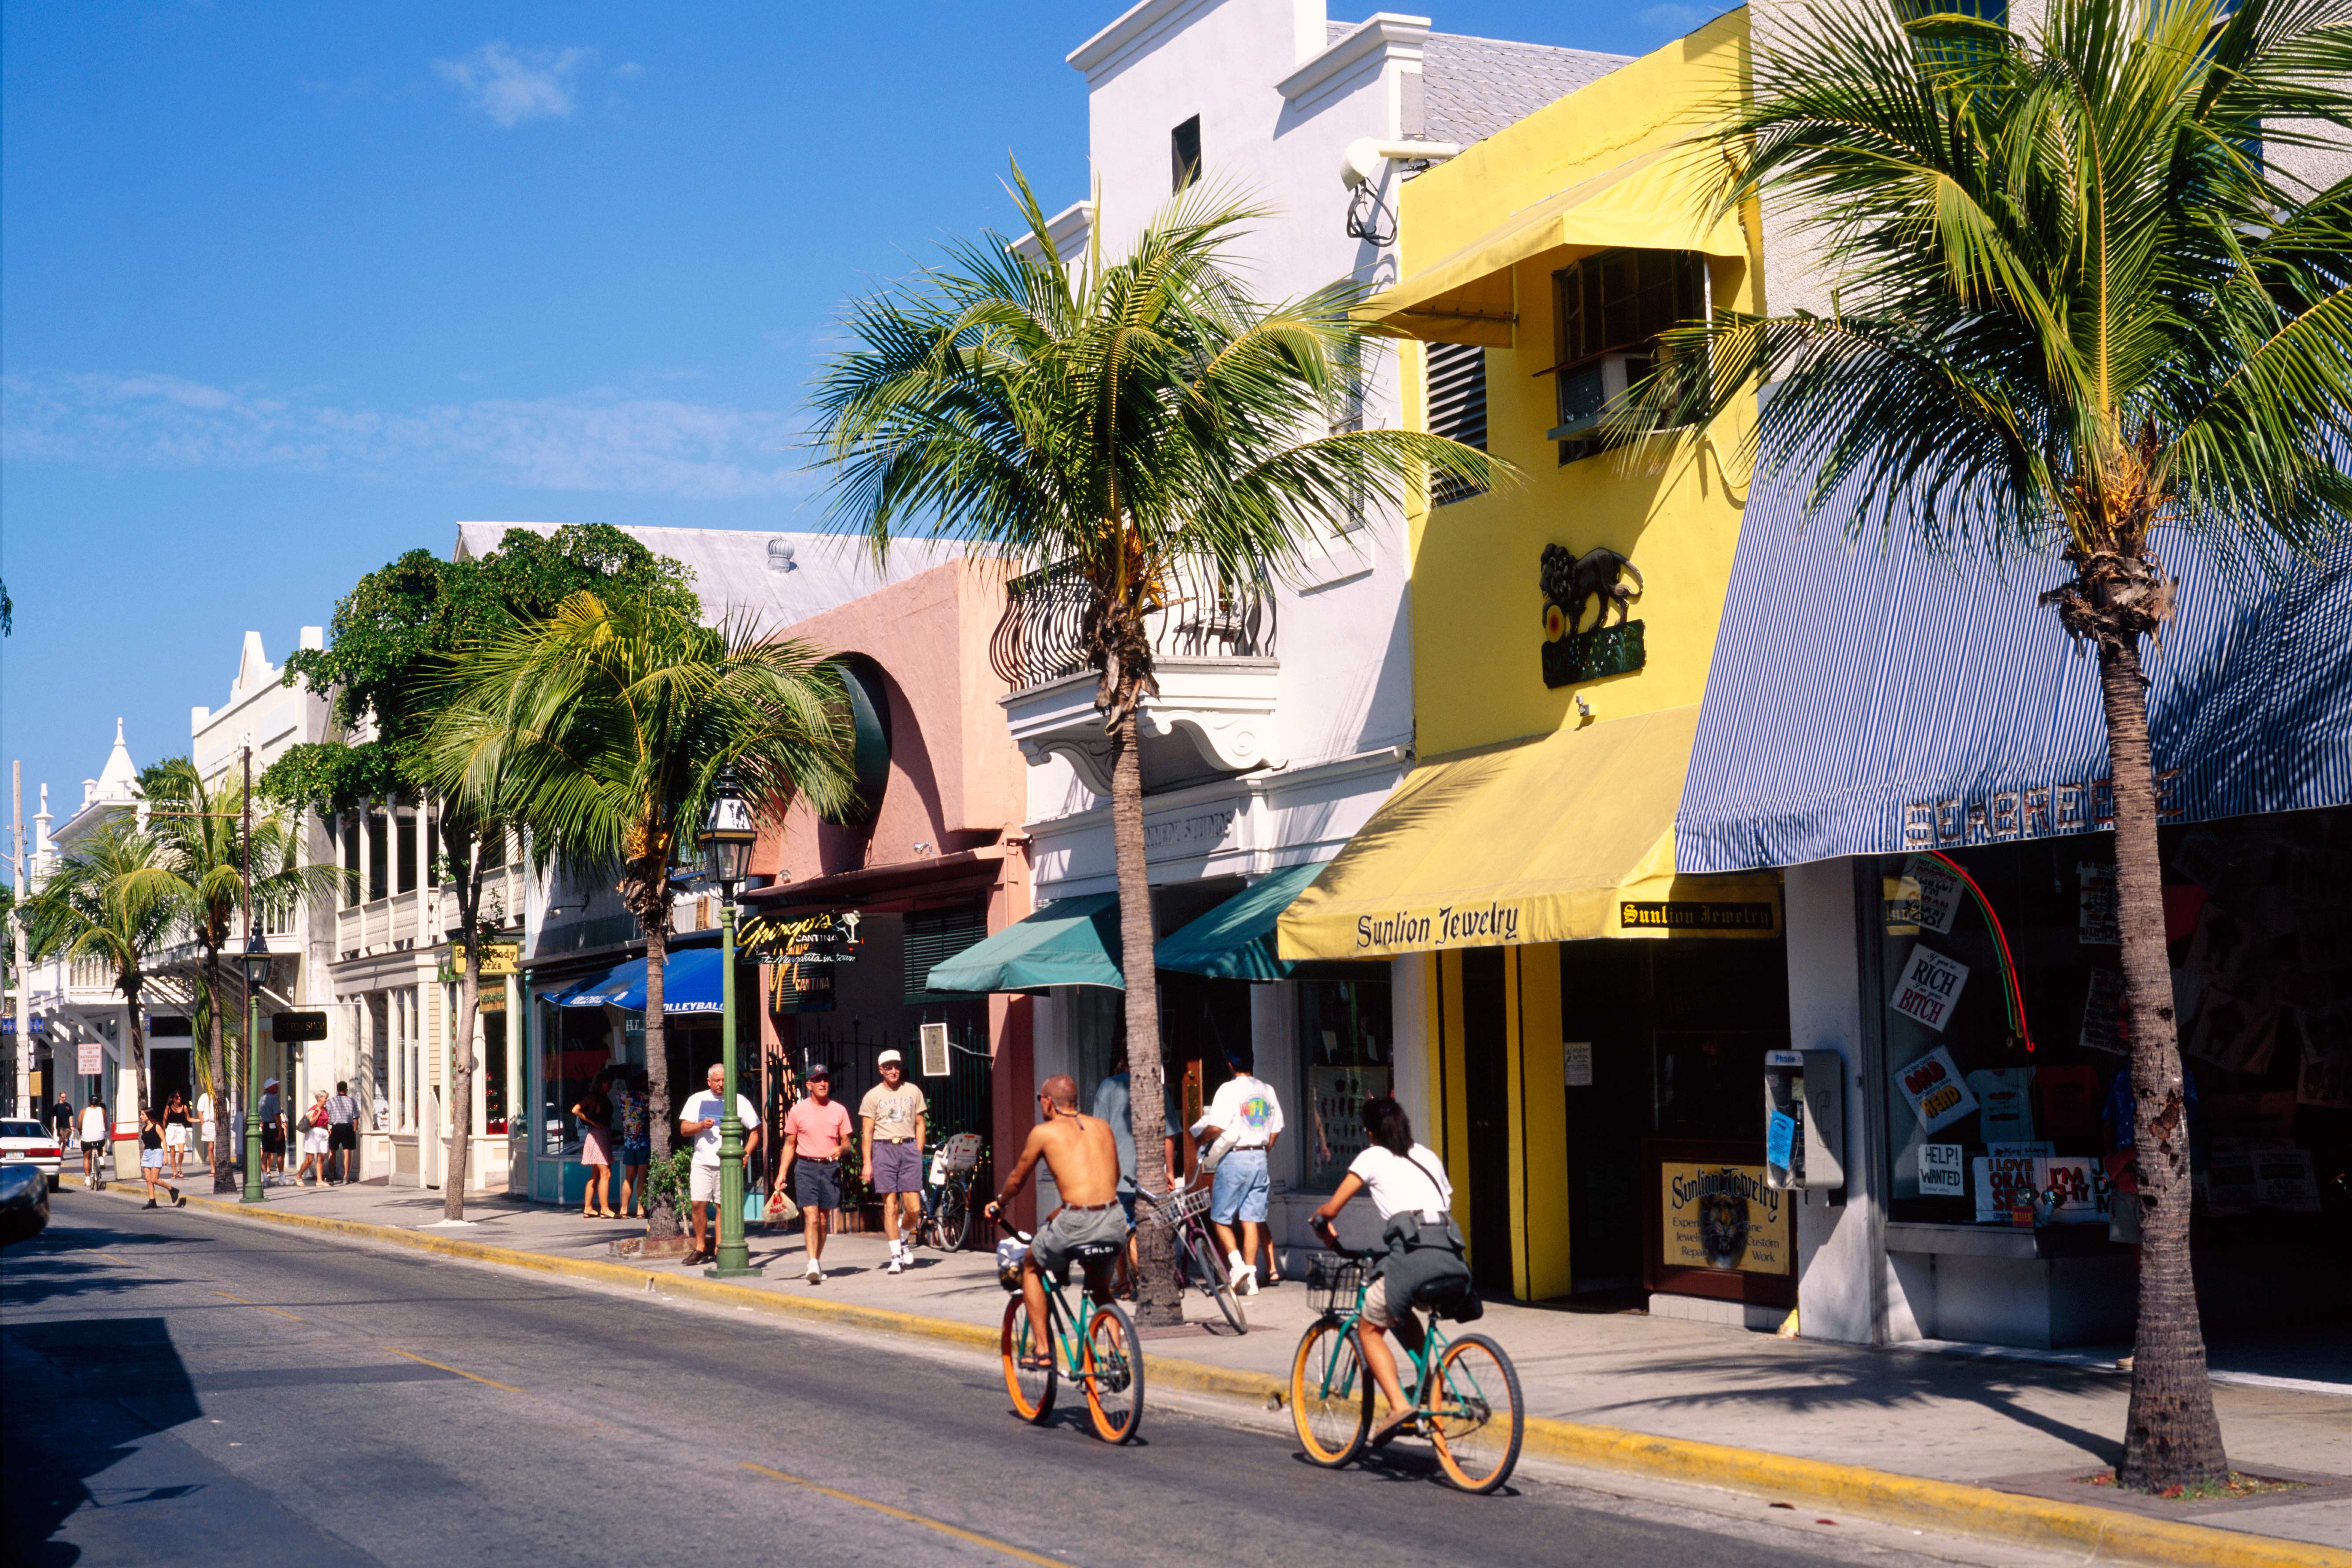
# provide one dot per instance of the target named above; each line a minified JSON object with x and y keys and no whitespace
{"x":603,"y":732}
{"x":1120,"y":422}
{"x":113,"y":898}
{"x":2079,"y":298}
{"x":200,"y":831}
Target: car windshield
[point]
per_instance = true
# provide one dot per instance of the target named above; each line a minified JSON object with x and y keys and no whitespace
{"x":21,"y":1129}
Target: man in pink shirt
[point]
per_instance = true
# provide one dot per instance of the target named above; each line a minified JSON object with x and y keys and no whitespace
{"x":815,"y":1130}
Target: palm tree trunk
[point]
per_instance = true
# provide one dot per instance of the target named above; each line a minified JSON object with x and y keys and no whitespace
{"x":223,"y":1180}
{"x":1159,"y":1294}
{"x":2171,"y":1436}
{"x":662,"y":1217}
{"x":461,"y":1063}
{"x":137,"y":1038}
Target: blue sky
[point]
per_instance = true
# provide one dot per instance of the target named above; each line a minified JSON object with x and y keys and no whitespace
{"x":287,"y":290}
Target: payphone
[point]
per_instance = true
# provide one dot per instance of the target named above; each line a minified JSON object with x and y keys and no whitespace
{"x":1804,"y":1120}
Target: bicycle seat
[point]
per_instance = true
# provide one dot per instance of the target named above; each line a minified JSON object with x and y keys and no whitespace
{"x":1093,"y":1249}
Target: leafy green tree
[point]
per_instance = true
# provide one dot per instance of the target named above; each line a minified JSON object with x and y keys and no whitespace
{"x":112,"y":898}
{"x":605,"y":729}
{"x":391,"y":639}
{"x":2081,"y":297}
{"x":1121,"y":421}
{"x":202,"y":830}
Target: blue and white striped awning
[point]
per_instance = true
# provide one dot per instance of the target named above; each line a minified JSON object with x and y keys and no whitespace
{"x":1863,"y":701}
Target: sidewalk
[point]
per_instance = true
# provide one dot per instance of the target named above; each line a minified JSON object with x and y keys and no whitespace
{"x":2015,"y":1423}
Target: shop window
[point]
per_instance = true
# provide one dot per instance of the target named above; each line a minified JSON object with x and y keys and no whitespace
{"x":1609,"y":310}
{"x":1982,"y":1131}
{"x":1345,"y":1054}
{"x":1457,"y":408}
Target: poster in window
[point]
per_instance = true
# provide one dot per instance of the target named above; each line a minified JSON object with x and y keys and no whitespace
{"x":1943,"y":1171}
{"x":2325,"y":1078}
{"x":2233,"y":1032}
{"x":1928,"y":989}
{"x":2005,"y":1101}
{"x":2096,"y":921}
{"x":2103,"y":1012}
{"x":1938,"y":893}
{"x":1723,"y":1217}
{"x":1938,"y":1094}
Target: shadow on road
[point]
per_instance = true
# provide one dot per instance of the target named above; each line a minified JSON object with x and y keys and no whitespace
{"x":82,"y":1394}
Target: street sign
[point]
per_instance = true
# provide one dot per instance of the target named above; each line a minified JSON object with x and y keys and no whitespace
{"x":91,"y":1059}
{"x":286,"y":1028}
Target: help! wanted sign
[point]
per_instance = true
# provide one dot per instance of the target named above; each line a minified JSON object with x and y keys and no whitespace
{"x":1929,"y":988}
{"x":1938,"y":1094}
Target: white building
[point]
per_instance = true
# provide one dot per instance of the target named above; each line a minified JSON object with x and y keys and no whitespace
{"x":1280,"y":724}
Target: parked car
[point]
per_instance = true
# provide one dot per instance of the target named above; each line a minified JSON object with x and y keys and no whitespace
{"x":24,"y":1202}
{"x":33,"y":1144}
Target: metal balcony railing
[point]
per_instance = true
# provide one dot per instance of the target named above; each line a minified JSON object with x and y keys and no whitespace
{"x":1041,"y":634}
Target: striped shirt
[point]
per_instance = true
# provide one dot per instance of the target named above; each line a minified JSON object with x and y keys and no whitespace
{"x":341,"y":1107}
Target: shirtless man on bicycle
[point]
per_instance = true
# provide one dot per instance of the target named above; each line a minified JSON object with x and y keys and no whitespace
{"x":1083,"y":1159}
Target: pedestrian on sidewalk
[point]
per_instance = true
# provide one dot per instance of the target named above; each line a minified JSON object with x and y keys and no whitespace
{"x":1114,"y":1103}
{"x":176,"y":1133}
{"x":314,"y":1127}
{"x":1246,"y":1108}
{"x":596,"y":1113}
{"x":894,"y":1116}
{"x":273,"y":1134}
{"x":94,"y":1139}
{"x":60,"y":1118}
{"x":150,"y":1156}
{"x":342,"y":1135}
{"x":700,"y":1121}
{"x":202,"y":1132}
{"x":815,"y":1130}
{"x":632,"y":1115}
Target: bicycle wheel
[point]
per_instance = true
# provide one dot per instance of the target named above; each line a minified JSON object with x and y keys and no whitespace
{"x":1207,"y":1271}
{"x":953,"y":1219}
{"x":1331,"y":1393}
{"x":1111,"y":1360}
{"x":1031,"y":1390}
{"x":1475,"y":1410}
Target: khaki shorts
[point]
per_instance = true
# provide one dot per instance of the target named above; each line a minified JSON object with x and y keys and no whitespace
{"x":702,"y":1186}
{"x":1059,"y":1238}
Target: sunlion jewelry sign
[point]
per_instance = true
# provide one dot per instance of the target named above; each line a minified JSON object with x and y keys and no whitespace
{"x":1478,"y":925}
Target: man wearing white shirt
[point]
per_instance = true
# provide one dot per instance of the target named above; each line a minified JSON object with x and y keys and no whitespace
{"x":1247,"y":1110}
{"x":698,"y":1119}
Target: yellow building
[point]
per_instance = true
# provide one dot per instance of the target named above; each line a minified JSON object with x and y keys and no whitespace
{"x":1597,"y":1098}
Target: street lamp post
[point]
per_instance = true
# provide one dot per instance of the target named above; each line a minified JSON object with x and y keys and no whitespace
{"x":256,"y":960}
{"x":728,"y":836}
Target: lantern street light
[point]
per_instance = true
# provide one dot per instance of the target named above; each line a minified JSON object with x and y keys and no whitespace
{"x":256,"y":962}
{"x":727,"y":836}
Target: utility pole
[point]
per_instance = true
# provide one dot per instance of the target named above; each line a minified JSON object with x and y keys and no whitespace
{"x":23,"y":1016}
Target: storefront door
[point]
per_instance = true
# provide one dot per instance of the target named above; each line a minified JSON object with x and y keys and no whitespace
{"x":1603,"y":990}
{"x":1486,"y":1099}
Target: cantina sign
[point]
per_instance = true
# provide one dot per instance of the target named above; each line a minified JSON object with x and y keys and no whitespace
{"x":827,"y":938}
{"x":1573,"y":585}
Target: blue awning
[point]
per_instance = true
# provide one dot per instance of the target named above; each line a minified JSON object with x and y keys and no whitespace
{"x":1071,"y":941}
{"x":1235,"y":940}
{"x":692,"y":982}
{"x":1863,"y":701}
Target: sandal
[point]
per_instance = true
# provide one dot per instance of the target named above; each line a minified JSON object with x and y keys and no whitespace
{"x":1036,"y":1363}
{"x":1395,"y":1428}
{"x":608,"y":1214}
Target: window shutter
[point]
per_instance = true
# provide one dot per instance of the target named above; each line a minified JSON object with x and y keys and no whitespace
{"x":1457,"y":407}
{"x":934,"y":936}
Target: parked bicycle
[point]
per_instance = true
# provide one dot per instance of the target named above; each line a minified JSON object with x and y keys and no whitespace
{"x":1198,"y":1261}
{"x":1465,"y":1392}
{"x":1106,"y":1360}
{"x":947,"y":1197}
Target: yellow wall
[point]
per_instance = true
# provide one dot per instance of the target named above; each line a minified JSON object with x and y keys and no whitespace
{"x":1476,"y":606}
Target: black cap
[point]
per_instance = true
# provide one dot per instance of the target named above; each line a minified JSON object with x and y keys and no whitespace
{"x":817,"y":1070}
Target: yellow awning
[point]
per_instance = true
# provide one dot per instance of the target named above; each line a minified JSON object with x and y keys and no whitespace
{"x":1655,"y":202}
{"x":1561,"y":838}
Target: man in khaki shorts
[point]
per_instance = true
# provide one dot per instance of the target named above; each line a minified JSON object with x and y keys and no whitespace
{"x":893,"y":1116}
{"x":1083,"y":1159}
{"x":700,"y":1121}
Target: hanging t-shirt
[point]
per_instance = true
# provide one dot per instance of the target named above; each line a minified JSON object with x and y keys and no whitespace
{"x":1399,"y":1182}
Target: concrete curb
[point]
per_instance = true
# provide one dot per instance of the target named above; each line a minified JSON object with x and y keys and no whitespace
{"x":2098,"y":1534}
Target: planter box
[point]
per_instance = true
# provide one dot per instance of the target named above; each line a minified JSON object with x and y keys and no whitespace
{"x":652,"y":1249}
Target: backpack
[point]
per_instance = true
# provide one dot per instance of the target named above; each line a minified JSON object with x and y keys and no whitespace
{"x":1427,"y":1259}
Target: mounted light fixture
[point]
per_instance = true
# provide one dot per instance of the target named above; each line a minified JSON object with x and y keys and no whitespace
{"x":727,"y":836}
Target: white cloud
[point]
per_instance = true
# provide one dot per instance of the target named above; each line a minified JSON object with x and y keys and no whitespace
{"x":512,"y":84}
{"x":1673,"y":18}
{"x":597,"y":440}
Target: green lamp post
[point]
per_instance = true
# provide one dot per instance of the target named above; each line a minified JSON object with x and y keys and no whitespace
{"x":256,"y":962}
{"x":727,"y":836}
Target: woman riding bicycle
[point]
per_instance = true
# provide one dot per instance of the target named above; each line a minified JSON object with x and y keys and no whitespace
{"x":1409,"y":1188}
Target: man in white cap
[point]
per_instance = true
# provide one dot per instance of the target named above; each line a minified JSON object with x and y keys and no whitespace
{"x":892,"y":1116}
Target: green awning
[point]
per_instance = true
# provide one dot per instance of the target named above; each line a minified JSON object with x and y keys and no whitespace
{"x":1072,"y":942}
{"x":1235,"y":940}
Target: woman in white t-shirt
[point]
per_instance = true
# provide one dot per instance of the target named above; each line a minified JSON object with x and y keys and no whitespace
{"x":1403,"y":1177}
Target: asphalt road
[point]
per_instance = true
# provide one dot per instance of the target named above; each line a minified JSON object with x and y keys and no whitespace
{"x":186,"y":1388}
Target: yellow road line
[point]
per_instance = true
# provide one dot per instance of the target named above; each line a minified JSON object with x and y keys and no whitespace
{"x":460,"y":1370}
{"x":110,"y":1257}
{"x":977,"y":1538}
{"x":243,"y":1302}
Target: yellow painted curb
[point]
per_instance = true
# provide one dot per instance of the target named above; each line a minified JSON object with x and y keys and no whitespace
{"x":2099,"y":1534}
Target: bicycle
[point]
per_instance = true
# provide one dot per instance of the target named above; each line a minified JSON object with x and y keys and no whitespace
{"x":1197,"y":1257}
{"x":1106,"y":1360}
{"x":946,"y":1196}
{"x":1465,"y":1392}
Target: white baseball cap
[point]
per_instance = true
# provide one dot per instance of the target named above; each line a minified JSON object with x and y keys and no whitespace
{"x":886,"y":1057}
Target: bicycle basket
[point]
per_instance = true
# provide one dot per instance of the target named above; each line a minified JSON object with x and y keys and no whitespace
{"x":1184,"y":1204}
{"x":1010,"y":1253}
{"x":1332,"y":1283}
{"x":960,"y":1152}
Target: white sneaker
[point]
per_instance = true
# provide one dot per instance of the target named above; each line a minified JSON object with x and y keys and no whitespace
{"x":1248,"y":1286}
{"x":815,"y":1275}
{"x":896,"y":1265}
